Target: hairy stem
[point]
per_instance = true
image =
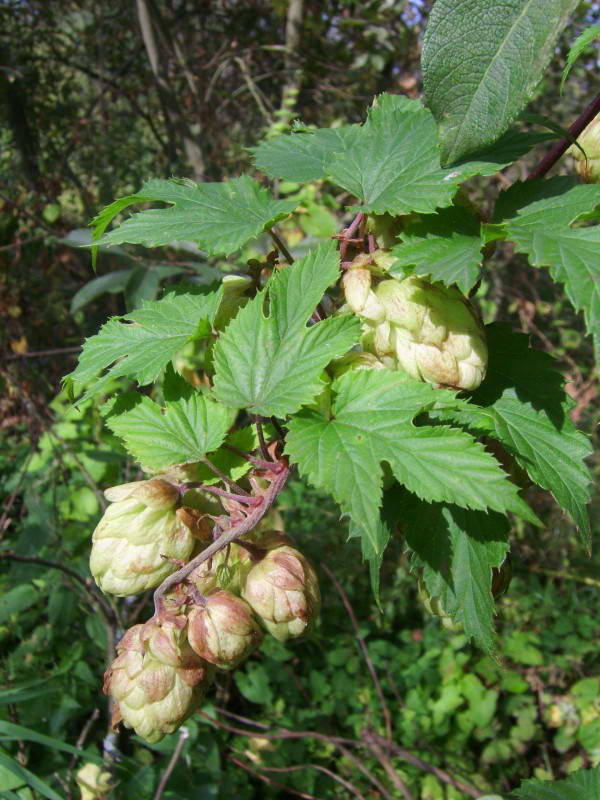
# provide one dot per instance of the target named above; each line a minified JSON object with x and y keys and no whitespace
{"x":560,"y":148}
{"x":238,"y":528}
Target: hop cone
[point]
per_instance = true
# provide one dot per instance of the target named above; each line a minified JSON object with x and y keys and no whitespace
{"x":139,"y":527}
{"x":283,"y":590}
{"x":588,"y":168}
{"x":157,"y":680}
{"x":223,"y":631}
{"x":93,"y":782}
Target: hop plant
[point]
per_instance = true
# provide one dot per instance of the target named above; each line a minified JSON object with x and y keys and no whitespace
{"x":430,"y":330}
{"x":93,"y":782}
{"x":223,"y":631}
{"x":138,"y":533}
{"x":434,"y":606}
{"x":156,"y":680}
{"x":283,"y":590}
{"x":588,"y":165}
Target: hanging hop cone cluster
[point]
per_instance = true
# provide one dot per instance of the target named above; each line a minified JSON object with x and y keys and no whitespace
{"x":426,"y":329}
{"x":212,"y":621}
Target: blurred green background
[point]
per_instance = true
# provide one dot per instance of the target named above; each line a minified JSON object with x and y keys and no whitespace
{"x":94,"y":98}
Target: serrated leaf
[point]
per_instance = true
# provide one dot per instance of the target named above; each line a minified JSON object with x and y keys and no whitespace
{"x":522,"y":403}
{"x":393,"y":165}
{"x":511,"y":146}
{"x":181,"y":432}
{"x":537,"y":218}
{"x":371,"y":423}
{"x":304,"y":155}
{"x":581,"y":785}
{"x":445,"y":246}
{"x":579,"y":45}
{"x":481,"y":62}
{"x":458,"y":549}
{"x":141,"y":343}
{"x":219,"y":217}
{"x":271,"y":364}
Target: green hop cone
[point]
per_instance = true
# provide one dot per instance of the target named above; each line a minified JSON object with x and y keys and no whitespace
{"x":588,"y":168}
{"x":93,"y":782}
{"x":139,"y":527}
{"x":223,"y":631}
{"x":433,"y":333}
{"x":433,"y":606}
{"x":355,"y":361}
{"x":157,"y":680}
{"x":283,"y":590}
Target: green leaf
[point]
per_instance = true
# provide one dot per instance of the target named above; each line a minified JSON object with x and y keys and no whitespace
{"x":372,"y":422}
{"x":17,"y":599}
{"x":579,"y":45}
{"x":303,"y":155}
{"x":481,"y":63}
{"x":540,"y":216}
{"x":508,"y":148}
{"x":14,"y":732}
{"x":271,"y":364}
{"x":458,"y":549}
{"x":522,"y":404}
{"x":188,"y":427}
{"x":141,"y":343}
{"x":219,"y":217}
{"x":28,"y":777}
{"x":393,"y":165}
{"x":112,"y":283}
{"x":585,"y":783}
{"x":445,"y":246}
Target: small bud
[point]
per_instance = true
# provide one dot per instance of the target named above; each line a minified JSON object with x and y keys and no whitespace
{"x":589,"y":140}
{"x":137,"y":535}
{"x":157,"y":679}
{"x":224,"y":631}
{"x":234,"y":289}
{"x":433,"y":606}
{"x":283,"y":590}
{"x":93,"y":782}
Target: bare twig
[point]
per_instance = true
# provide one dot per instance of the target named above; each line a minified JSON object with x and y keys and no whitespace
{"x":580,"y":124}
{"x":270,"y":781}
{"x":57,"y":351}
{"x":384,"y":706}
{"x":79,"y":745}
{"x":440,"y":774}
{"x":334,"y":777}
{"x":378,"y":752}
{"x":183,"y":735}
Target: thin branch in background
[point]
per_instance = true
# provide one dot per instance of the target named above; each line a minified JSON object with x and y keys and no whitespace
{"x":254,"y":90}
{"x":440,"y":774}
{"x":385,"y":763}
{"x":79,"y":745}
{"x":10,"y":501}
{"x":108,"y":611}
{"x":56,"y":351}
{"x":297,"y":767}
{"x":384,"y":706}
{"x":561,"y":147}
{"x":270,"y":781}
{"x":183,"y":735}
{"x":86,"y":475}
{"x":281,"y":247}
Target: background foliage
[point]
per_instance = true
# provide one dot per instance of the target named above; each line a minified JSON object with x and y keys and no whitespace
{"x":93,"y":101}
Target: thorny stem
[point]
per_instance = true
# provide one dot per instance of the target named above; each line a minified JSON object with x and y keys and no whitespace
{"x":238,"y":528}
{"x":580,"y":124}
{"x":281,"y":247}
